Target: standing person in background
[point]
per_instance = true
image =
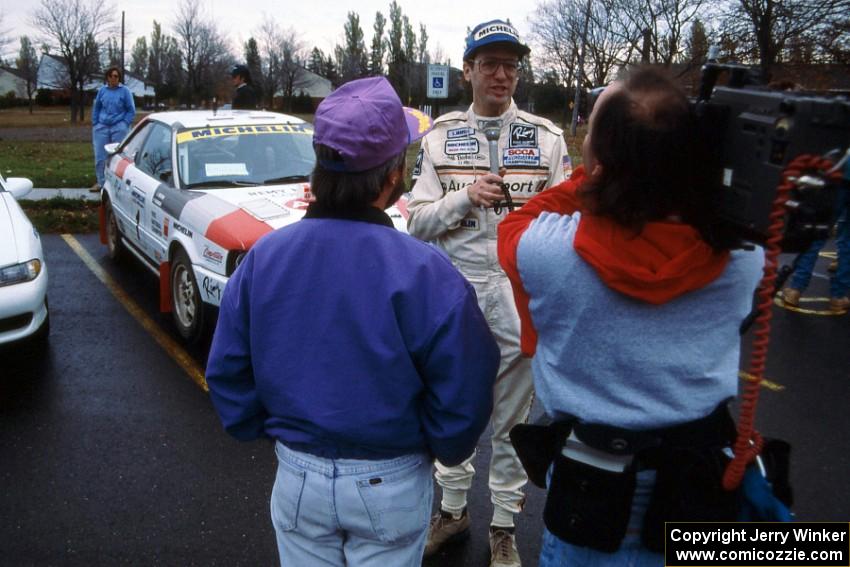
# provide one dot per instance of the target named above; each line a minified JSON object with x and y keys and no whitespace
{"x":111,"y":117}
{"x":457,"y":204}
{"x":631,"y":299}
{"x":839,"y":282}
{"x":244,"y":97}
{"x":360,"y":350}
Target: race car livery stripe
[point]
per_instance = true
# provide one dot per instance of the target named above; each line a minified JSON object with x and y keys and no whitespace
{"x":172,"y":201}
{"x":201,"y":212}
{"x":236,"y":231}
{"x":122,"y":167}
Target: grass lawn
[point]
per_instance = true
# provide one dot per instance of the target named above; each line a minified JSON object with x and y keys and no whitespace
{"x":49,"y":164}
{"x":62,"y":215}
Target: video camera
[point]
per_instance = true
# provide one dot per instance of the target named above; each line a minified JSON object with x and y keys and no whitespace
{"x":753,"y":134}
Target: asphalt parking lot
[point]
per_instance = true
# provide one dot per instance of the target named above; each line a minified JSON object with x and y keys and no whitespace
{"x":110,"y":452}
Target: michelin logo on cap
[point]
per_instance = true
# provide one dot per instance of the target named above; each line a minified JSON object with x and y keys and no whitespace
{"x":496,"y":28}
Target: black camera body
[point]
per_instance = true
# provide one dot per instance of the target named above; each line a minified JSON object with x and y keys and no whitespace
{"x":752,"y":135}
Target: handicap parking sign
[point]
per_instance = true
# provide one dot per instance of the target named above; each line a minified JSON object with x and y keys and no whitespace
{"x":438,"y":81}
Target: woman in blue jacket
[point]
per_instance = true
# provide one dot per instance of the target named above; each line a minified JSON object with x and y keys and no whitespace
{"x":111,"y":117}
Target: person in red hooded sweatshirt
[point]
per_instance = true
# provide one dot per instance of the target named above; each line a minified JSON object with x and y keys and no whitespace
{"x":631,"y":297}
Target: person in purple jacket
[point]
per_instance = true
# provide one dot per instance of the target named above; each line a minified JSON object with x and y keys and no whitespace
{"x":360,"y":350}
{"x":111,"y":117}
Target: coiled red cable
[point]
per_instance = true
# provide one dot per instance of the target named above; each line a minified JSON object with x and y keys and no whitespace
{"x":749,"y":442}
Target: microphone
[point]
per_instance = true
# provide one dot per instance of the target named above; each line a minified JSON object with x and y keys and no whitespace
{"x":492,"y":128}
{"x":491,"y":132}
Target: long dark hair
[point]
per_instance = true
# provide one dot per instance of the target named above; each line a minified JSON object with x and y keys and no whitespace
{"x":653,"y":159}
{"x":341,"y":191}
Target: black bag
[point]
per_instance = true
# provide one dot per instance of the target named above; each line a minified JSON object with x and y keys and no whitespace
{"x":589,"y":506}
{"x":537,"y":446}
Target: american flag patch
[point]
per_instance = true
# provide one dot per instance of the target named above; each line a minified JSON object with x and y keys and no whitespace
{"x":567,"y":163}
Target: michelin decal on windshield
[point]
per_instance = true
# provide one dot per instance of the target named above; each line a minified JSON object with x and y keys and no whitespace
{"x":203,"y":133}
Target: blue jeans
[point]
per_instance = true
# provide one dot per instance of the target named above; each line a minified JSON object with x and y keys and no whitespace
{"x":557,"y":553}
{"x":102,"y":135}
{"x":839,"y":284}
{"x":335,"y":512}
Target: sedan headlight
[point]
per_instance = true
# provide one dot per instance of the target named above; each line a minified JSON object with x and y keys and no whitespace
{"x":20,"y":273}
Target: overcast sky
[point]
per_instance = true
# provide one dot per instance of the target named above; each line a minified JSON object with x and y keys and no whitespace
{"x":319,"y":22}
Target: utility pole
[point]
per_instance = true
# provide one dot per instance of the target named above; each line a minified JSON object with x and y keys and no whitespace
{"x":122,"y":47}
{"x":580,"y":70}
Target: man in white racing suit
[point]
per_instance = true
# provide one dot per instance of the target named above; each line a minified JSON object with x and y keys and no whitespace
{"x":457,"y":203}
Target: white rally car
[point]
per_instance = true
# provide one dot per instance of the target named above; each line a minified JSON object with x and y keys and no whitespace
{"x":188,"y":193}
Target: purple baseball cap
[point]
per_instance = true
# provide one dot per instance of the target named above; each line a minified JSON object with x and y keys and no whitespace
{"x":366,"y":123}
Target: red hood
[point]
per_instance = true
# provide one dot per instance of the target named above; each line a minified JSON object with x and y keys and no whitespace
{"x":664,"y":261}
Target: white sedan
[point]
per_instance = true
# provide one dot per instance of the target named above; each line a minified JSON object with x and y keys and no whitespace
{"x":23,"y":272}
{"x":188,"y":193}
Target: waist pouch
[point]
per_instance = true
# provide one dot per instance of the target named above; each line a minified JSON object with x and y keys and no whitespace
{"x":590,"y":506}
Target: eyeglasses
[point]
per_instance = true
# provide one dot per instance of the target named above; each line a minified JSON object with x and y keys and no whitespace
{"x":489,"y":67}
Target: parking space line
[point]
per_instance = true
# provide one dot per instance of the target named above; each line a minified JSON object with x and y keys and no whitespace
{"x":172,"y":347}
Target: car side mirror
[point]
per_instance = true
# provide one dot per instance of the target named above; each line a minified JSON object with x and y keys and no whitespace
{"x":18,"y":186}
{"x":112,"y":148}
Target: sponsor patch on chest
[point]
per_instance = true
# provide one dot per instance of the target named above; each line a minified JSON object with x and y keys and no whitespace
{"x":521,"y":156}
{"x":523,"y":136}
{"x":456,"y":133}
{"x":457,"y":147}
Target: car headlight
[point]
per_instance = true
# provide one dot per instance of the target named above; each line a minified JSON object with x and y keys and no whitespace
{"x":20,"y":273}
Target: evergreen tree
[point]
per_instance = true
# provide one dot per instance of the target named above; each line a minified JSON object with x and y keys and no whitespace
{"x":376,"y":61}
{"x":139,"y":58}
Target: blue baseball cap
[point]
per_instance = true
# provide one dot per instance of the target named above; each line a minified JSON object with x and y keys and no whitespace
{"x":492,"y":32}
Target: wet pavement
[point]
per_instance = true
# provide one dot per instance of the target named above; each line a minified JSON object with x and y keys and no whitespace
{"x":110,"y":454}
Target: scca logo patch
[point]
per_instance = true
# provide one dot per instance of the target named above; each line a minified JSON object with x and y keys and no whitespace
{"x":523,"y":136}
{"x":521,"y":156}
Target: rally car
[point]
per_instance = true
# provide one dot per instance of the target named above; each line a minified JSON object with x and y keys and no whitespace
{"x":188,"y":193}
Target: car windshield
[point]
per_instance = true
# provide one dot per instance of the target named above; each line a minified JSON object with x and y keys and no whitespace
{"x":235,"y":156}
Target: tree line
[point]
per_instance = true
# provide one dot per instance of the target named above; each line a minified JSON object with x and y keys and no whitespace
{"x":189,"y":62}
{"x":668,"y":32}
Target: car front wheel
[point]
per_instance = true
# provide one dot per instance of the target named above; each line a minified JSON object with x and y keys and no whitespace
{"x":186,"y":306}
{"x":113,"y":235}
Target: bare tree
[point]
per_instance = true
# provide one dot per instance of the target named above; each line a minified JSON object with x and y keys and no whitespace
{"x":293,"y":59}
{"x":557,"y":31}
{"x":74,"y":28}
{"x":203,"y":49}
{"x":27,"y":64}
{"x":769,"y":27}
{"x":664,"y":23}
{"x":5,"y":35}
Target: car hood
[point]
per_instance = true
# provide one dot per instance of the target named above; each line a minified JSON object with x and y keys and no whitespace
{"x":16,"y":233}
{"x":280,"y":205}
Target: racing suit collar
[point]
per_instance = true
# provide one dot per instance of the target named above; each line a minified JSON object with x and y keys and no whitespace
{"x":367,"y":214}
{"x":506,"y":118}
